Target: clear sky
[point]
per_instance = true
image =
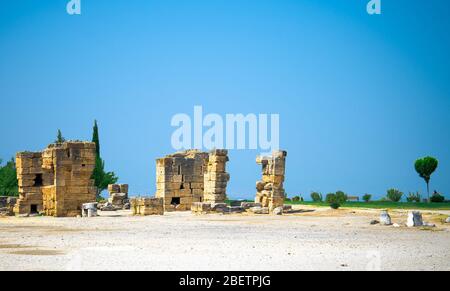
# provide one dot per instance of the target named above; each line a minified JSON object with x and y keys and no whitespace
{"x":360,"y":97}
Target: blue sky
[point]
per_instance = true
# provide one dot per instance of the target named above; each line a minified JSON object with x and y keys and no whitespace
{"x":360,"y":97}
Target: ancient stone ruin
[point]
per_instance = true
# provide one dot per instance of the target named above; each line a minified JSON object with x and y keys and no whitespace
{"x":118,"y":196}
{"x":270,"y":191}
{"x":192,"y":177}
{"x":57,"y":181}
{"x":147,"y":206}
{"x":216,"y":178}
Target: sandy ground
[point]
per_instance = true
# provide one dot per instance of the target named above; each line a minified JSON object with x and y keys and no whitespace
{"x":312,"y":239}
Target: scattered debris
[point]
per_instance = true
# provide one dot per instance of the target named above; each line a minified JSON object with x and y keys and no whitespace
{"x":278,"y":211}
{"x":118,"y":195}
{"x":385,"y":218}
{"x":259,"y":210}
{"x":414,"y":219}
{"x":396,"y":225}
{"x":374,"y":222}
{"x":447,"y":220}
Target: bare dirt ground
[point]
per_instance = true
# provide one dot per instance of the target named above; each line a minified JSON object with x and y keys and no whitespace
{"x":312,"y":239}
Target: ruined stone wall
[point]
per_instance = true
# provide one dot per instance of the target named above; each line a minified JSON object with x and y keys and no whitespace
{"x":147,"y":206}
{"x":57,"y":181}
{"x":180,"y":179}
{"x":270,"y":191}
{"x":118,"y":194}
{"x":216,"y":178}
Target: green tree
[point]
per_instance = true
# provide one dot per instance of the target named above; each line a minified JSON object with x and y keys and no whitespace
{"x":59,"y":137}
{"x":8,"y":179}
{"x":102,"y":179}
{"x":425,"y":167}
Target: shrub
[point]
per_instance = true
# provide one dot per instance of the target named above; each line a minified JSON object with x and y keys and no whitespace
{"x":394,"y":195}
{"x":341,"y":197}
{"x":413,"y":197}
{"x":296,"y":199}
{"x":316,"y":197}
{"x":437,"y":198}
{"x":330,"y":198}
{"x":367,"y":197}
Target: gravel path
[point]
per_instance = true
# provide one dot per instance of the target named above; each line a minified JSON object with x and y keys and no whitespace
{"x":315,"y":240}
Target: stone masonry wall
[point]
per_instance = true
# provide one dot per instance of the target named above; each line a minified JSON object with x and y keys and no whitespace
{"x":216,"y":177}
{"x":270,"y":191}
{"x":180,"y":179}
{"x":57,"y":181}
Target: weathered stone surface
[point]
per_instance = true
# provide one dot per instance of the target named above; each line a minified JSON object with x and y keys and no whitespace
{"x":218,"y":207}
{"x":385,"y":218}
{"x":201,"y":208}
{"x":147,"y":206}
{"x":270,"y":190}
{"x":57,"y":181}
{"x":248,"y":205}
{"x":278,"y":211}
{"x":192,"y":176}
{"x":447,"y":220}
{"x":414,"y":219}
{"x":108,"y":207}
{"x":259,"y":210}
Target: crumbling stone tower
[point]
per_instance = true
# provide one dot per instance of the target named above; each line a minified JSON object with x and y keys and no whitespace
{"x":57,"y":181}
{"x":270,"y":191}
{"x":180,"y":179}
{"x":216,"y":177}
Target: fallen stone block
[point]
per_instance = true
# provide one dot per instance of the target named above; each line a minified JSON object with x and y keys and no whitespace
{"x":108,"y":207}
{"x":447,"y":220}
{"x":259,"y":210}
{"x":414,"y":219}
{"x":248,"y":205}
{"x":287,"y":208}
{"x":428,"y":224}
{"x":218,"y":207}
{"x":385,"y":218}
{"x":201,"y":208}
{"x":278,"y":211}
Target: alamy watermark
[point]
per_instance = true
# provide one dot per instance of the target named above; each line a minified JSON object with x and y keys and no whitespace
{"x":74,"y":7}
{"x":232,"y":131}
{"x":374,"y":7}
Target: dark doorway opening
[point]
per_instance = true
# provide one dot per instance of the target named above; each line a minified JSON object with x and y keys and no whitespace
{"x":176,"y":201}
{"x":182,"y":186}
{"x":33,"y":209}
{"x":38,"y":181}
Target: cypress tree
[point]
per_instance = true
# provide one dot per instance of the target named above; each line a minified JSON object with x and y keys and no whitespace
{"x":102,"y":179}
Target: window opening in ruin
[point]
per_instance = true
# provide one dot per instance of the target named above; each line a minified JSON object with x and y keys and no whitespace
{"x":68,"y":153}
{"x":33,"y":209}
{"x":83,"y":165}
{"x":176,"y":201}
{"x":179,"y":170}
{"x":38,"y":182}
{"x":182,"y":186}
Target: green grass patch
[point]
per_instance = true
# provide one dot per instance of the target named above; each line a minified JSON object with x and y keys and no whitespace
{"x":382,"y":205}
